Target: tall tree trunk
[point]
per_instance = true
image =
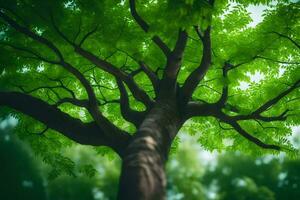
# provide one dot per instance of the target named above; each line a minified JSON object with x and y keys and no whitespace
{"x":143,"y":174}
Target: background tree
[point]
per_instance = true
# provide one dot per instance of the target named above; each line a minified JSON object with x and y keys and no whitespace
{"x":242,"y":177}
{"x":19,"y":172}
{"x":85,"y":69}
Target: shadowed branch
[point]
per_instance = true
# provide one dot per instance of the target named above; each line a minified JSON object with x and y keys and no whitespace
{"x":165,"y":49}
{"x":83,"y":133}
{"x":198,"y":74}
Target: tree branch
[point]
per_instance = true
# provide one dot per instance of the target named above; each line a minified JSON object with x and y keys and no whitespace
{"x":137,"y":92}
{"x":93,"y":103}
{"x":83,"y":133}
{"x":31,"y":34}
{"x":197,"y":75}
{"x":257,"y":116}
{"x":274,"y":100}
{"x":165,"y":49}
{"x":251,"y":138}
{"x":51,"y":46}
{"x":128,"y":114}
{"x":175,"y":57}
{"x":76,"y":102}
{"x":152,"y":76}
{"x":199,"y":108}
{"x":87,"y":35}
{"x":287,"y":37}
{"x":223,"y":99}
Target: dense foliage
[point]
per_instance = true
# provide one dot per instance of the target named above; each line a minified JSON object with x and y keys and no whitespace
{"x":98,"y":62}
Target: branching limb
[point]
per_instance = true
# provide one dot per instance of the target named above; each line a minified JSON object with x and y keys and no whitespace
{"x":87,"y":35}
{"x":128,"y":114}
{"x":223,"y":99}
{"x":205,"y":109}
{"x":93,"y":103}
{"x":136,"y":91}
{"x":31,"y":34}
{"x":251,"y":138}
{"x":199,"y":108}
{"x":165,"y":49}
{"x":152,"y":77}
{"x":274,"y":100}
{"x":197,"y":75}
{"x":175,"y":57}
{"x":199,"y":33}
{"x":257,"y":113}
{"x":83,"y":133}
{"x":256,"y":116}
{"x":52,"y":47}
{"x":63,"y":86}
{"x":103,"y":64}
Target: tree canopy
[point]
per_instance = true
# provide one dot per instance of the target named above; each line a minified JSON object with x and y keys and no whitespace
{"x":92,"y":70}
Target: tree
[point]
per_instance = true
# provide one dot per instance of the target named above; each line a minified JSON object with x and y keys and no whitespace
{"x":20,"y":177}
{"x":238,"y":176}
{"x":129,"y":76}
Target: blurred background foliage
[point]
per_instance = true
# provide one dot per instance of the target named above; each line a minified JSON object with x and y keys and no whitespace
{"x":193,"y":173}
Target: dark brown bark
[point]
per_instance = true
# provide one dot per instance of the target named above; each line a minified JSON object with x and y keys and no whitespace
{"x":143,"y":174}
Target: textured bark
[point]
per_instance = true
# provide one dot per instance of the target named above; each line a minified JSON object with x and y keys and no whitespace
{"x":143,"y":174}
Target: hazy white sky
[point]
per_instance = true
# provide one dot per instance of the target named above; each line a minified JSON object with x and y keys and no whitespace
{"x":256,"y":14}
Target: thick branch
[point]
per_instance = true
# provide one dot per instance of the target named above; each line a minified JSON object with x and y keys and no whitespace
{"x":145,"y":27}
{"x":128,"y":114}
{"x":136,"y":91}
{"x":83,"y":133}
{"x":76,"y":102}
{"x":175,"y":57}
{"x":197,"y":75}
{"x":199,"y":108}
{"x":93,"y":103}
